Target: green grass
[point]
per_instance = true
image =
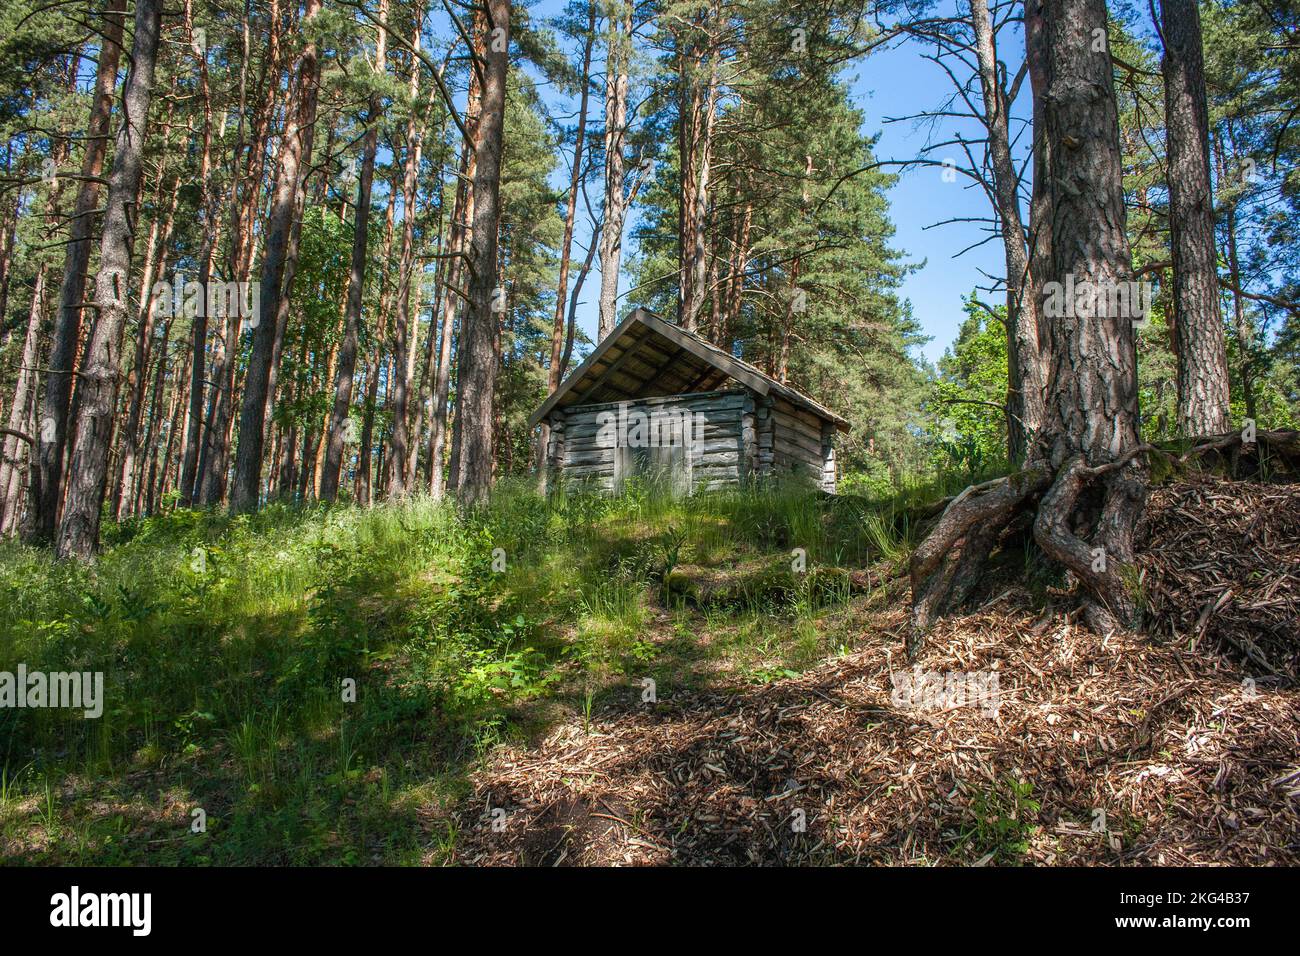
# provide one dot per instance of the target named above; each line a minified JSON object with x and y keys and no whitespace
{"x":226,"y":643}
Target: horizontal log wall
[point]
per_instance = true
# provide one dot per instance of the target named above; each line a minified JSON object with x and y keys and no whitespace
{"x":802,"y":445}
{"x":725,"y":454}
{"x":744,"y":435}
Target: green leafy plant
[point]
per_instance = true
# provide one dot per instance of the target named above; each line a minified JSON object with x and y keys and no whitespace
{"x":1004,"y":817}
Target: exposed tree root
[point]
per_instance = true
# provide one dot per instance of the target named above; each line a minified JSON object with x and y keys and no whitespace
{"x":1085,"y":521}
{"x":1104,"y":565}
{"x":946,"y":565}
{"x":1271,"y":452}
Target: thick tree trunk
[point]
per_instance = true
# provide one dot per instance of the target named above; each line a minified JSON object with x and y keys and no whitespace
{"x":88,"y":469}
{"x":282,"y":319}
{"x":478,"y":368}
{"x":611,"y":236}
{"x":53,"y":416}
{"x":1199,"y":345}
{"x":291,"y":175}
{"x":1093,"y":383}
{"x":1092,"y":386}
{"x":1086,"y":464}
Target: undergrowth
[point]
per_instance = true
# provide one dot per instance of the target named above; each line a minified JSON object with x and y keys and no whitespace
{"x":318,"y":682}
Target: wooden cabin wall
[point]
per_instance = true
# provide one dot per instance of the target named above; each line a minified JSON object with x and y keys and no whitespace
{"x":727,"y":454}
{"x":723,"y":459}
{"x":801,"y":444}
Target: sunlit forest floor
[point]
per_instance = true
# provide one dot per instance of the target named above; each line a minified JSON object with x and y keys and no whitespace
{"x":641,"y":680}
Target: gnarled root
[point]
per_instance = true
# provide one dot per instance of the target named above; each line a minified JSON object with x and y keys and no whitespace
{"x":1271,"y":451}
{"x":1085,"y":521}
{"x":1104,"y":565}
{"x":946,"y":565}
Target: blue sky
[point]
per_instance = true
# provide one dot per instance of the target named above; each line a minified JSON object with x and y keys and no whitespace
{"x":893,"y":82}
{"x":899,"y":82}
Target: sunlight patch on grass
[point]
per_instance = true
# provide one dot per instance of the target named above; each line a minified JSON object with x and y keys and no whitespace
{"x":224,"y":641}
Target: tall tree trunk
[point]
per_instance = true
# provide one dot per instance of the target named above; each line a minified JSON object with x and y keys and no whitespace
{"x":88,"y":470}
{"x":405,"y":324}
{"x":53,"y":416}
{"x":1199,"y":345}
{"x":688,"y":109}
{"x":618,"y":61}
{"x":1093,"y":386}
{"x":282,"y":318}
{"x":1025,"y":370}
{"x":194,"y":476}
{"x":1085,"y":464}
{"x":345,"y":372}
{"x":136,"y":382}
{"x":456,"y":290}
{"x":478,"y":369}
{"x":1093,"y":405}
{"x":10,"y":473}
{"x":566,"y":245}
{"x":291,"y":176}
{"x":214,"y":454}
{"x":424,"y":391}
{"x":695,"y":246}
{"x":365,"y":482}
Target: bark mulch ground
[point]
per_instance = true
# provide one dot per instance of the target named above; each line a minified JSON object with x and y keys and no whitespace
{"x":1222,"y":569}
{"x":1128,"y":750}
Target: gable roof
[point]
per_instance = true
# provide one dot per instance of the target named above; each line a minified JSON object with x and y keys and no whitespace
{"x":646,"y":357}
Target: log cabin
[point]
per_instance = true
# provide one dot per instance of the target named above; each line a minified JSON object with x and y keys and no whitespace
{"x":656,"y":402}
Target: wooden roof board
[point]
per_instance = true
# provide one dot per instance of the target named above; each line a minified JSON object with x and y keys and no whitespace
{"x":641,"y":330}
